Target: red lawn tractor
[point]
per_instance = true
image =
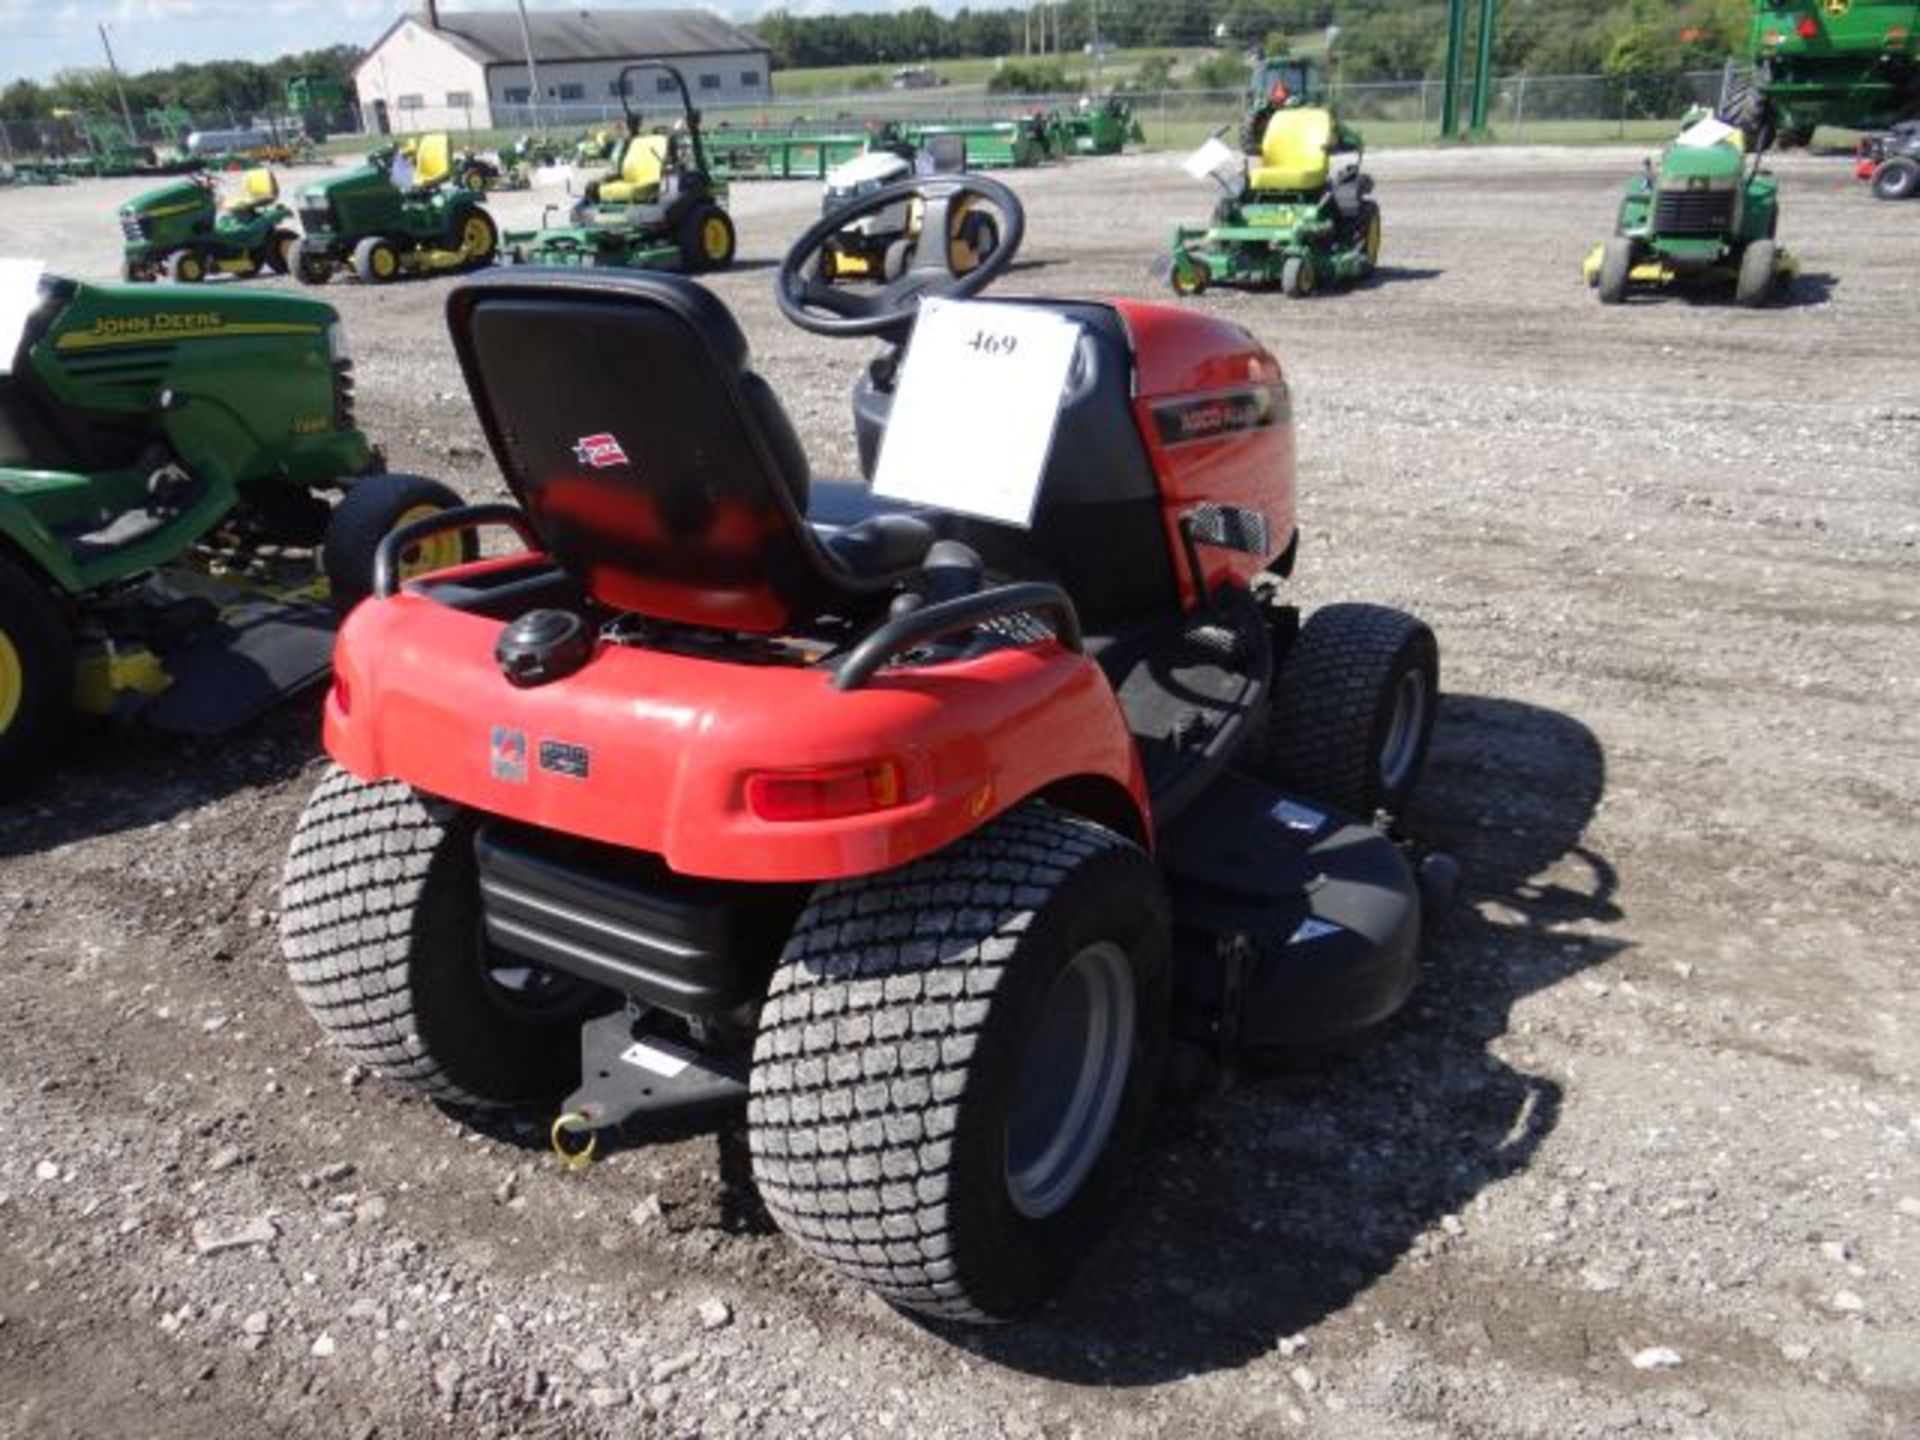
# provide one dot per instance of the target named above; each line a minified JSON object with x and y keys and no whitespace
{"x":927,"y":838}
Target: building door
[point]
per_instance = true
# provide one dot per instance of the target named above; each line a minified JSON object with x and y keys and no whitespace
{"x":380,"y":122}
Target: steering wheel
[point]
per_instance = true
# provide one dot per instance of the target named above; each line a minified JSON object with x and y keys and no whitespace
{"x":839,"y":310}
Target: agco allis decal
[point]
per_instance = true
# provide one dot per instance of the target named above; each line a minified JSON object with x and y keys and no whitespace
{"x":602,"y":451}
{"x":1210,"y":417}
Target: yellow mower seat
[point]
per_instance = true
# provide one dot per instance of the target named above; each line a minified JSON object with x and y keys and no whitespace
{"x":257,"y":188}
{"x":640,"y":169}
{"x":1294,"y":153}
{"x":432,"y":160}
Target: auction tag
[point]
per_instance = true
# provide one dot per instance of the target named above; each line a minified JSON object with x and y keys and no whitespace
{"x":19,"y":297}
{"x":975,"y":407}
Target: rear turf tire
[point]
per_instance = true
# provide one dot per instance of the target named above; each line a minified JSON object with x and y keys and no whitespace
{"x":373,"y":506}
{"x":1616,"y":270}
{"x":1755,"y":287}
{"x":1897,"y":179}
{"x":1352,"y":710}
{"x":895,"y":259}
{"x":380,"y":929}
{"x":36,"y":676}
{"x":898,"y":1119}
{"x":282,"y":250}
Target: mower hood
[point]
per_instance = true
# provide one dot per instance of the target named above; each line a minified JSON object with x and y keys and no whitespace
{"x":182,"y":197}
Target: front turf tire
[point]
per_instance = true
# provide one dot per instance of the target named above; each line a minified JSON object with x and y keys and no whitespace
{"x":36,"y":676}
{"x":1616,"y":270}
{"x":897,"y":1041}
{"x":380,"y":929}
{"x":1352,"y":710}
{"x":1755,"y":287}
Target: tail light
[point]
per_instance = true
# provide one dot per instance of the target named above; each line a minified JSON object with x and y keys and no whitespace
{"x":826,"y":793}
{"x":1806,"y":27}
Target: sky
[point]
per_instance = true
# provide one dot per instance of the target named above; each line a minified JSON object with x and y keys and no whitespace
{"x":38,"y":37}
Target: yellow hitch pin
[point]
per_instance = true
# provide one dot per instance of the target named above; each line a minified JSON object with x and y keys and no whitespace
{"x":573,"y":1122}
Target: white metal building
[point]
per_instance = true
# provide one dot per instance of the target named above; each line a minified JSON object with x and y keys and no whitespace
{"x":468,"y":69}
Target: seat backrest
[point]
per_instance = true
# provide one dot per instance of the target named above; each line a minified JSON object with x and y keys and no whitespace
{"x":657,"y":467}
{"x":432,"y":160}
{"x":1293,"y":151}
{"x":259,"y":186}
{"x":641,"y":165}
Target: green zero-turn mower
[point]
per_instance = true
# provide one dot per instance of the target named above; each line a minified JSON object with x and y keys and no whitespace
{"x":182,"y":232}
{"x":1706,"y":216}
{"x":387,"y":218}
{"x":1300,"y":215}
{"x":659,"y":208}
{"x":168,"y":551}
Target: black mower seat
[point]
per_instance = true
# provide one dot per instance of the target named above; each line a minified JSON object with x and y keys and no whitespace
{"x":657,"y":467}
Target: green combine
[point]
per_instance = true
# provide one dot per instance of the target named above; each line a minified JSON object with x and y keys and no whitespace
{"x":181,"y":232}
{"x":387,"y":218}
{"x":1101,"y":126}
{"x":1300,"y":215}
{"x":1705,"y":216}
{"x":1850,"y":63}
{"x":168,"y":551}
{"x":660,"y":209}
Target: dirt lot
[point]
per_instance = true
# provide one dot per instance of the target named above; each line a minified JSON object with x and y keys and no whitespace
{"x":1639,"y":1159}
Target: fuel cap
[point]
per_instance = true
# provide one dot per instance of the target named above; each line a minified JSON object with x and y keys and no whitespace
{"x":543,"y":645}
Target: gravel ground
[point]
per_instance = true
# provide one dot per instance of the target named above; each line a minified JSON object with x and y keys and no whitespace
{"x":1638,"y":1159}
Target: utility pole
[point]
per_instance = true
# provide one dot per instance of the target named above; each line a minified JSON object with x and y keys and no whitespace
{"x":1450,"y":79}
{"x":1482,"y":71}
{"x":126,"y":111}
{"x":533,"y":75}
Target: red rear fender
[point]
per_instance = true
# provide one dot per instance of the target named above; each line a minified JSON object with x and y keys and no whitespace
{"x":653,"y":750}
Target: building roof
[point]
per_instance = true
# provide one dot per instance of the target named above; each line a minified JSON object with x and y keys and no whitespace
{"x":493,"y":36}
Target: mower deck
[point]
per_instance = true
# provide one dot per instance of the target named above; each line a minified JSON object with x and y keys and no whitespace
{"x":1660,"y":272}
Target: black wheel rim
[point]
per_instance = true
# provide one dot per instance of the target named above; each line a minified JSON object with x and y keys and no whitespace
{"x":1071,"y":1080}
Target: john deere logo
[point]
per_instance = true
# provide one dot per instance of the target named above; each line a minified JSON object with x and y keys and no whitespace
{"x":1836,"y":8}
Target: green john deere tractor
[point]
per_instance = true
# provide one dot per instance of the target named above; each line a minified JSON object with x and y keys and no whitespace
{"x":389,"y":218}
{"x":1705,"y":216}
{"x":167,"y":547}
{"x":1301,"y":215}
{"x":1851,"y":63}
{"x":179,"y":231}
{"x":659,"y":209}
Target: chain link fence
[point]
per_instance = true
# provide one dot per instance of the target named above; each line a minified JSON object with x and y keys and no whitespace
{"x":1543,"y":109}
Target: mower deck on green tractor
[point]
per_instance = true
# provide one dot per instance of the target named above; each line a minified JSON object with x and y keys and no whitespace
{"x":181,"y":232}
{"x":1302,"y":218}
{"x":1704,"y":218}
{"x":167,"y":550}
{"x":380,"y":223}
{"x":659,"y":209}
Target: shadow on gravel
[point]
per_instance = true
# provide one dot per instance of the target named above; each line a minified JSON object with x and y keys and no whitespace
{"x":1809,"y":287}
{"x":1394,"y":274}
{"x":107,"y":780}
{"x":1262,"y":1212}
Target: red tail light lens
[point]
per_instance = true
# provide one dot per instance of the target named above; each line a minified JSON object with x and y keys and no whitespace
{"x":828,"y":793}
{"x":1806,"y":27}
